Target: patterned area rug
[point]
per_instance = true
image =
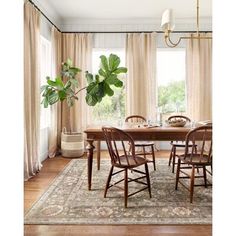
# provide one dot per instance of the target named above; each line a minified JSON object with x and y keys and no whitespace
{"x":67,"y":200}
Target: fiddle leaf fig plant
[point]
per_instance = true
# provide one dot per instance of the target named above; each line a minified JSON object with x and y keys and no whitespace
{"x":99,"y":85}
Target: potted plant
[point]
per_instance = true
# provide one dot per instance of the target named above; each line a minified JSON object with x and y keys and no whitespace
{"x":65,"y":87}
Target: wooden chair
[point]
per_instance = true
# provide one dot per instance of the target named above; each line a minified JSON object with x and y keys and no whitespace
{"x":176,"y":144}
{"x":200,"y":159}
{"x":124,"y":160}
{"x":143,"y":144}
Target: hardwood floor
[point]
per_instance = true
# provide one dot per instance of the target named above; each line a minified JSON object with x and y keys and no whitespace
{"x":35,"y":187}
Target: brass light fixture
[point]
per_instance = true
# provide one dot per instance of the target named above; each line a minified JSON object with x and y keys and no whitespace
{"x":167,"y":26}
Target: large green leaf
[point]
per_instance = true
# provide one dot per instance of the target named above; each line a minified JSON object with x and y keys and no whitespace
{"x":108,"y":90}
{"x":53,"y":98}
{"x":120,"y":70}
{"x":75,"y":70}
{"x":62,"y":95}
{"x":51,"y":82}
{"x":68,"y":84}
{"x":43,"y":87}
{"x":89,"y":77}
{"x":118,"y":83}
{"x":45,"y":102}
{"x":104,"y":63}
{"x":114,"y":62}
{"x":91,"y":87}
{"x":91,"y":100}
{"x":102,"y":72}
{"x":59,"y":83}
{"x":101,"y":90}
{"x":111,"y":79}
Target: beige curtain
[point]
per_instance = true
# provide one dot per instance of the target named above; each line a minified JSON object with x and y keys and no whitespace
{"x":77,"y":47}
{"x":31,"y":91}
{"x":199,"y":79}
{"x":55,"y":127}
{"x":141,"y":76}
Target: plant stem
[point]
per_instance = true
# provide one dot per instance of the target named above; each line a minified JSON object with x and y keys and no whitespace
{"x":80,"y":90}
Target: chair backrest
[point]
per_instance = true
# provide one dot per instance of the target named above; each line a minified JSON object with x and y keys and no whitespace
{"x":120,"y":145}
{"x":135,"y":119}
{"x":202,"y":137}
{"x":187,"y":119}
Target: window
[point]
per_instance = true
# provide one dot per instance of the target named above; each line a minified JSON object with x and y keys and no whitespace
{"x":45,"y":70}
{"x":110,"y":109}
{"x":171,"y":95}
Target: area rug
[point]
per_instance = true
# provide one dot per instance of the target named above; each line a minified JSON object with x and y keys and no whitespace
{"x":68,"y":201}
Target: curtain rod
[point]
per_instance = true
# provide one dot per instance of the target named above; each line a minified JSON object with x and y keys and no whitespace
{"x":44,"y":15}
{"x":109,"y":32}
{"x":113,"y":32}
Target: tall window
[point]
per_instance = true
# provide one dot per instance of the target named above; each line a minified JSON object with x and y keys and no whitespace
{"x":110,"y":109}
{"x":45,"y":70}
{"x":171,"y":95}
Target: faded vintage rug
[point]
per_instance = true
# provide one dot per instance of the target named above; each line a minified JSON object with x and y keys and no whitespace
{"x":67,"y":200}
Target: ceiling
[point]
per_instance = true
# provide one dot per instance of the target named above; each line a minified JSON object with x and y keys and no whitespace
{"x":124,"y":9}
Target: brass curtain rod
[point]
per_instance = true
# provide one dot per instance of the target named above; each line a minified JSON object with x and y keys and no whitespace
{"x":109,"y":32}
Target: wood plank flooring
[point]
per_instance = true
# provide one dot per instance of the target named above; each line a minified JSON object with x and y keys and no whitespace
{"x":35,"y":187}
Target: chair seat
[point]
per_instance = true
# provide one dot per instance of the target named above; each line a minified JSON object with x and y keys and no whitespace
{"x":196,"y":159}
{"x":123,"y":161}
{"x":143,"y":143}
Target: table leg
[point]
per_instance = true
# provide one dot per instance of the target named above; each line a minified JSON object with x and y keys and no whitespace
{"x":90,"y":148}
{"x":98,"y":154}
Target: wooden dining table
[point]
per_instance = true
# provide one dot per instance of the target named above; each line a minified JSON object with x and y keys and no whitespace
{"x":137,"y":132}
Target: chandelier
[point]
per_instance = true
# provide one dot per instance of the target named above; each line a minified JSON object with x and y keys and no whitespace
{"x":167,"y":25}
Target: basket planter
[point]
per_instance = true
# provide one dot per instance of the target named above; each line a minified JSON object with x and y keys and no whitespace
{"x":72,"y":144}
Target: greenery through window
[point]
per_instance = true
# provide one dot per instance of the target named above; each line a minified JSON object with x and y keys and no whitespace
{"x":110,"y":109}
{"x":171,"y":95}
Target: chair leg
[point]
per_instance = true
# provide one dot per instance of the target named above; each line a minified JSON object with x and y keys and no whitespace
{"x":126,"y":186}
{"x":148,"y":180}
{"x":192,"y":183}
{"x":195,"y":151}
{"x":177,"y":174}
{"x":174,"y":152}
{"x":171,"y":153}
{"x":153,"y":157}
{"x":205,"y":176}
{"x":108,"y":181}
{"x":144,"y":152}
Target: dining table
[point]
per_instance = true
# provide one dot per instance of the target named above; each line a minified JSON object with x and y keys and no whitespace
{"x":137,"y":132}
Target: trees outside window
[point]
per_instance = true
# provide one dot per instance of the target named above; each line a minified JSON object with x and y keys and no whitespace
{"x":171,"y":92}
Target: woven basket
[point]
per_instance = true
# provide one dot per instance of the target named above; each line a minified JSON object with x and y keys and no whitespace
{"x":180,"y":123}
{"x":72,"y":144}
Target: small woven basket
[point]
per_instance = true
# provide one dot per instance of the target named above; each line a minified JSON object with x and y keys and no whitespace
{"x":72,"y":144}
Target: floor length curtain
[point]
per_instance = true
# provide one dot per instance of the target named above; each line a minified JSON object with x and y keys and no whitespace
{"x":199,"y":79}
{"x":141,"y":76}
{"x":77,"y":47}
{"x":31,"y":91}
{"x":55,"y":124}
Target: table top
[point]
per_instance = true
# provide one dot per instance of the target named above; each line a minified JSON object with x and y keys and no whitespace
{"x":140,"y":128}
{"x":139,"y":132}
